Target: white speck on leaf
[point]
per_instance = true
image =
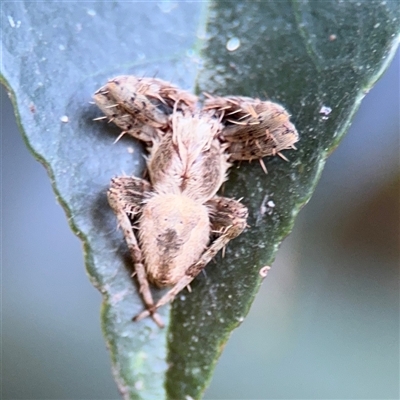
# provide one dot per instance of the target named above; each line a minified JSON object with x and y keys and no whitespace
{"x":233,"y":44}
{"x":264,"y":271}
{"x":325,"y":111}
{"x":267,"y":207}
{"x":196,"y":370}
{"x":11,"y":21}
{"x":64,"y":119}
{"x":139,"y":385}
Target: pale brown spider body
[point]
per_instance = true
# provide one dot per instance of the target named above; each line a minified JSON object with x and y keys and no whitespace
{"x":177,"y":211}
{"x":186,"y":168}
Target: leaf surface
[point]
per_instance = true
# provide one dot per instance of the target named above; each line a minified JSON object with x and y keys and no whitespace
{"x":318,"y":59}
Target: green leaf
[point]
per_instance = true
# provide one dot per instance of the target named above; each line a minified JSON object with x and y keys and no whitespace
{"x":317,"y":58}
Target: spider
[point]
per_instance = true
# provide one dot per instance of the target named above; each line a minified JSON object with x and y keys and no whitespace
{"x":169,"y":220}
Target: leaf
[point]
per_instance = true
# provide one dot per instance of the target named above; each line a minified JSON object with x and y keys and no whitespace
{"x":319,"y":59}
{"x":316,"y":58}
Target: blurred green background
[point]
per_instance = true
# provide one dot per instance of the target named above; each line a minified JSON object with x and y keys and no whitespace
{"x":325,"y":323}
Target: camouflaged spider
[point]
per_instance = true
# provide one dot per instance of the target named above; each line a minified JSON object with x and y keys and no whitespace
{"x":190,"y":150}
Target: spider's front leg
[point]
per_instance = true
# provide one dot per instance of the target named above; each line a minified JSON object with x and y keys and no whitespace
{"x":228,"y":220}
{"x":125,"y":197}
{"x":141,"y":107}
{"x":253,"y":128}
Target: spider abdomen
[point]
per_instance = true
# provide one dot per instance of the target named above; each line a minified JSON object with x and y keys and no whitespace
{"x":174,"y":231}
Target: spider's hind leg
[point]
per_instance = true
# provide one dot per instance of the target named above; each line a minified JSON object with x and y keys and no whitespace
{"x":125,"y":196}
{"x":252,"y":128}
{"x":141,"y":107}
{"x":228,"y":220}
